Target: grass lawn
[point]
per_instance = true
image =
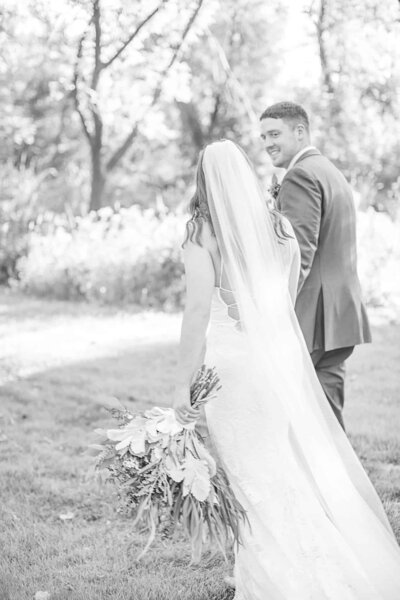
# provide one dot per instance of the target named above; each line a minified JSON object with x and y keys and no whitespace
{"x":59,"y":528}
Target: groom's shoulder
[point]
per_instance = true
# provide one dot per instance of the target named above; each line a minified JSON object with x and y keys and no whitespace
{"x":317,"y":164}
{"x":315,"y":158}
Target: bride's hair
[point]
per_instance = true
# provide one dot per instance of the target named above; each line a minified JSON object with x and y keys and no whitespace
{"x":200,"y":212}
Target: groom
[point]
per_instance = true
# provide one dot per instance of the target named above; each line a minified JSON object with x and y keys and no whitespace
{"x":318,"y":202}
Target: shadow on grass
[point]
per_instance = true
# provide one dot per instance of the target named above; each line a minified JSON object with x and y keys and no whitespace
{"x":46,"y":423}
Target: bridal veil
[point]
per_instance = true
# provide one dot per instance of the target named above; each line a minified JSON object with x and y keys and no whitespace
{"x":278,"y":361}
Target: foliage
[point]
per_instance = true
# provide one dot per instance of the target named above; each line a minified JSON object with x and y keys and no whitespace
{"x":138,"y":45}
{"x":21,"y":188}
{"x":228,"y":71}
{"x":150,"y":98}
{"x":230,"y":64}
{"x":379,"y":259}
{"x":133,"y":256}
{"x":358,"y":108}
{"x":128,"y":255}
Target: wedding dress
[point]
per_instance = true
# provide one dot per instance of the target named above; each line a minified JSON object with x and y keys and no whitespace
{"x":317,"y":529}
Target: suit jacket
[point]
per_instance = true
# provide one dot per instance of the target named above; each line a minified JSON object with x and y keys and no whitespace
{"x":318,"y":202}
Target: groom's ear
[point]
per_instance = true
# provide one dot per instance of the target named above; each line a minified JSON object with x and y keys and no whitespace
{"x":301,"y":132}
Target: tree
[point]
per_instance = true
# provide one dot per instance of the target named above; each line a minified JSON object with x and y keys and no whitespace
{"x":360,"y":77}
{"x":234,"y":62}
{"x":114,"y":100}
{"x":94,"y":59}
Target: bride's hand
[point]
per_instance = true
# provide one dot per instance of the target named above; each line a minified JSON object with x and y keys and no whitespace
{"x":185,"y":413}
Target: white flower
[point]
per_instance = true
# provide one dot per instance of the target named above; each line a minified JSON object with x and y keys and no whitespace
{"x":162,"y":420}
{"x":157,"y":453}
{"x":132,"y":435}
{"x":173,"y":468}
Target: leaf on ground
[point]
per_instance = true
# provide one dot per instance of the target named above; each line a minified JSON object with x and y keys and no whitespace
{"x":42,"y":596}
{"x":66,"y":517}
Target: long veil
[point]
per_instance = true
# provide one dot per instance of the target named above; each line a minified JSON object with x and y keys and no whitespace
{"x":281,"y":364}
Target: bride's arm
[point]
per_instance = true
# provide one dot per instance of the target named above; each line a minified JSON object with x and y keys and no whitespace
{"x":200,"y":279}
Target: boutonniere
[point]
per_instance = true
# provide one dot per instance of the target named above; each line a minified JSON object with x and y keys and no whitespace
{"x":274,"y":190}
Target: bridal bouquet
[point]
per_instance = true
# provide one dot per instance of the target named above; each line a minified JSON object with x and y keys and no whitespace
{"x":166,"y":476}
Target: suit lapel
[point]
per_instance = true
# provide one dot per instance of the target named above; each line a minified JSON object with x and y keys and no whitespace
{"x":311,"y":152}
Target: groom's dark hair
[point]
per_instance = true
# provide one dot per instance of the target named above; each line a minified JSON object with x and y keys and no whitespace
{"x":287,"y":111}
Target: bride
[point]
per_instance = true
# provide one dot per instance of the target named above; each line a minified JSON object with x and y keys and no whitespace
{"x":317,"y":528}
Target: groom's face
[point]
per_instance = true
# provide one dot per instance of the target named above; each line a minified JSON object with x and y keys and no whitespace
{"x":281,"y":140}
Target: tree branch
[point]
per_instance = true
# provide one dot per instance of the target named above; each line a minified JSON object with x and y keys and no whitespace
{"x":133,"y":35}
{"x":94,"y":137}
{"x":176,"y":53}
{"x":123,"y":148}
{"x":97,"y":120}
{"x":231,"y":77}
{"x":192,"y":123}
{"x":214,"y":114}
{"x":75,"y":87}
{"x":119,"y":152}
{"x":321,"y":31}
{"x":97,"y":44}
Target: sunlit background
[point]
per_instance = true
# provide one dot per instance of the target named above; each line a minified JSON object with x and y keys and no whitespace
{"x":106,"y":105}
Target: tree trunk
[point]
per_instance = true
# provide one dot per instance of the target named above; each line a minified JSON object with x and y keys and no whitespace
{"x":93,"y":126}
{"x":191,"y":122}
{"x":98,"y":181}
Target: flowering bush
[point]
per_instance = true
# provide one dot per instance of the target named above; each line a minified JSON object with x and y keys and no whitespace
{"x":134,"y":256}
{"x":379,"y":258}
{"x":20,"y":190}
{"x":126,"y":256}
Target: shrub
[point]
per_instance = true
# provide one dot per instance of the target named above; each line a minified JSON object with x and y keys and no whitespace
{"x":379,"y":258}
{"x":20,"y":188}
{"x":133,"y":256}
{"x":124,"y":256}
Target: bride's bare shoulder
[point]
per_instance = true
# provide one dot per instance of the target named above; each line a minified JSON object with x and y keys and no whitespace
{"x":208,"y":238}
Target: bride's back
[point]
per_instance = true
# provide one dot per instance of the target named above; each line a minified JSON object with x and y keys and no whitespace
{"x":288,"y":246}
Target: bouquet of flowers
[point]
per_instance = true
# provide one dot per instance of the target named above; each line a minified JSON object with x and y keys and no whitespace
{"x":167,"y":477}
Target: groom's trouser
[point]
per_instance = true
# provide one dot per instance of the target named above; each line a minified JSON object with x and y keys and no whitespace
{"x":330,"y":369}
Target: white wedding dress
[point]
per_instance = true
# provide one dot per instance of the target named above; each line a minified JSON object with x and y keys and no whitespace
{"x":317,"y":528}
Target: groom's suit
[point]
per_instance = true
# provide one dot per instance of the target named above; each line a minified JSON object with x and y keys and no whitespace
{"x":317,"y":200}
